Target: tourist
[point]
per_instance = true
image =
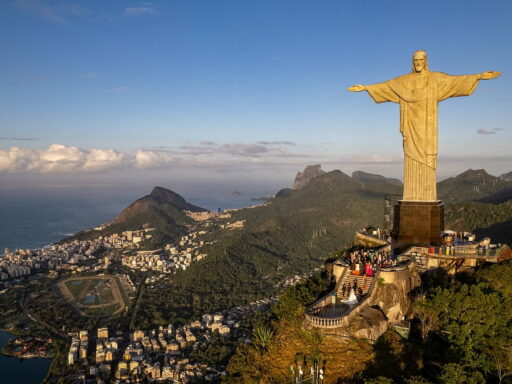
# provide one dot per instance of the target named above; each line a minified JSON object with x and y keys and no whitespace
{"x":368,"y":270}
{"x":352,"y":298}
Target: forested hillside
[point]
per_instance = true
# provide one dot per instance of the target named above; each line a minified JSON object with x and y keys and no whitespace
{"x":162,"y":209}
{"x":294,"y":233}
{"x":474,"y":185}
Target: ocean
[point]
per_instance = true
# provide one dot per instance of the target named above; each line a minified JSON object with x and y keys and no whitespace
{"x":33,"y":220}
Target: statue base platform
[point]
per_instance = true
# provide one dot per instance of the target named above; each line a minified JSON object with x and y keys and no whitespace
{"x":418,"y":222}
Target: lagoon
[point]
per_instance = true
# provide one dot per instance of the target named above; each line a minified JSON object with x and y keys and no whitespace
{"x":21,"y":371}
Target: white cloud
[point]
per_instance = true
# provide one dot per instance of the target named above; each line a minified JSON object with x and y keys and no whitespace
{"x":55,"y":13}
{"x":221,"y":157}
{"x":60,"y":158}
{"x":101,"y":159}
{"x":482,"y":131}
{"x":73,"y":9}
{"x":374,"y":158}
{"x":142,"y":9}
{"x":42,"y":10}
{"x":282,"y":142}
{"x":17,"y":159}
{"x":268,"y":148}
{"x":152,"y":159}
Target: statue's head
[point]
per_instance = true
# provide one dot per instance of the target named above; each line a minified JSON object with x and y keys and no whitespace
{"x":419,"y":61}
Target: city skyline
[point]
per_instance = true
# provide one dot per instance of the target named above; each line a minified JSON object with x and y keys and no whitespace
{"x":128,"y":91}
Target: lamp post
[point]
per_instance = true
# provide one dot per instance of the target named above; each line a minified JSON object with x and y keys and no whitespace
{"x":315,"y":375}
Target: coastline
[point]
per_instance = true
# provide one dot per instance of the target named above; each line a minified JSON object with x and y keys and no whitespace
{"x":17,"y":370}
{"x":5,"y":352}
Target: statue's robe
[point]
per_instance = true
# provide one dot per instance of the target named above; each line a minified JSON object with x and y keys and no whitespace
{"x":418,"y":95}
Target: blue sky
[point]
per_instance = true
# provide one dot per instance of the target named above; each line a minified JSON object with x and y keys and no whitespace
{"x":237,"y":93}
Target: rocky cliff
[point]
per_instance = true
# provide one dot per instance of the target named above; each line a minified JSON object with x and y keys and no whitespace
{"x":390,"y":303}
{"x":303,"y":178}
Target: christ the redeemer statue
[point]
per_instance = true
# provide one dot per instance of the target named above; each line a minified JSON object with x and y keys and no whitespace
{"x":418,"y":94}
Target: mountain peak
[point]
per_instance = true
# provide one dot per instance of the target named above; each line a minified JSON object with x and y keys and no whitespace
{"x":303,"y":178}
{"x":506,"y":176}
{"x":161,"y":194}
{"x":158,"y":199}
{"x":365,"y":177}
{"x":474,"y":185}
{"x":474,"y":173}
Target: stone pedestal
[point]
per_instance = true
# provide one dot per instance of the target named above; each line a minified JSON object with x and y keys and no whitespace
{"x":418,"y":222}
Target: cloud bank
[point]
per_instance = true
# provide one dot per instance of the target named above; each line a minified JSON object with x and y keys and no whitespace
{"x":60,"y":158}
{"x":258,"y":161}
{"x":493,"y":131}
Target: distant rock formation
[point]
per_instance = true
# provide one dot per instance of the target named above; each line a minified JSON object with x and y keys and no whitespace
{"x":303,"y":178}
{"x":158,"y":198}
{"x":506,"y":176}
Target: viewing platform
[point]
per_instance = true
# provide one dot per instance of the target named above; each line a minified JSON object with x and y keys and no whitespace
{"x":358,"y":273}
{"x":457,"y":253}
{"x":371,"y":263}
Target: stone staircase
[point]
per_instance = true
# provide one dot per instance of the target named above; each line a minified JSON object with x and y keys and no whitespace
{"x":421,"y":260}
{"x":363,"y":282}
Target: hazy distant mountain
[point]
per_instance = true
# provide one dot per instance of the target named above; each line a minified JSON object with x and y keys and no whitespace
{"x":474,"y":185}
{"x":373,"y":178}
{"x":478,"y":202}
{"x":507,"y":176}
{"x":303,"y":178}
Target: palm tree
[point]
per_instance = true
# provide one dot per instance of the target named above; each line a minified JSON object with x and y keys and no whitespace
{"x":262,"y":336}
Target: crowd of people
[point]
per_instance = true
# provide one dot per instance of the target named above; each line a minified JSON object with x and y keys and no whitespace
{"x":458,"y":237}
{"x":354,"y":288}
{"x":365,"y":261}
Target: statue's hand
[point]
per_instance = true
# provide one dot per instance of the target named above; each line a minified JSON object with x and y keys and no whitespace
{"x":490,"y":75}
{"x":357,"y":88}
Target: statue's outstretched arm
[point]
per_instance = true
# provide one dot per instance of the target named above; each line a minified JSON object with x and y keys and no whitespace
{"x":380,"y":92}
{"x":357,"y":88}
{"x":489,"y":75}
